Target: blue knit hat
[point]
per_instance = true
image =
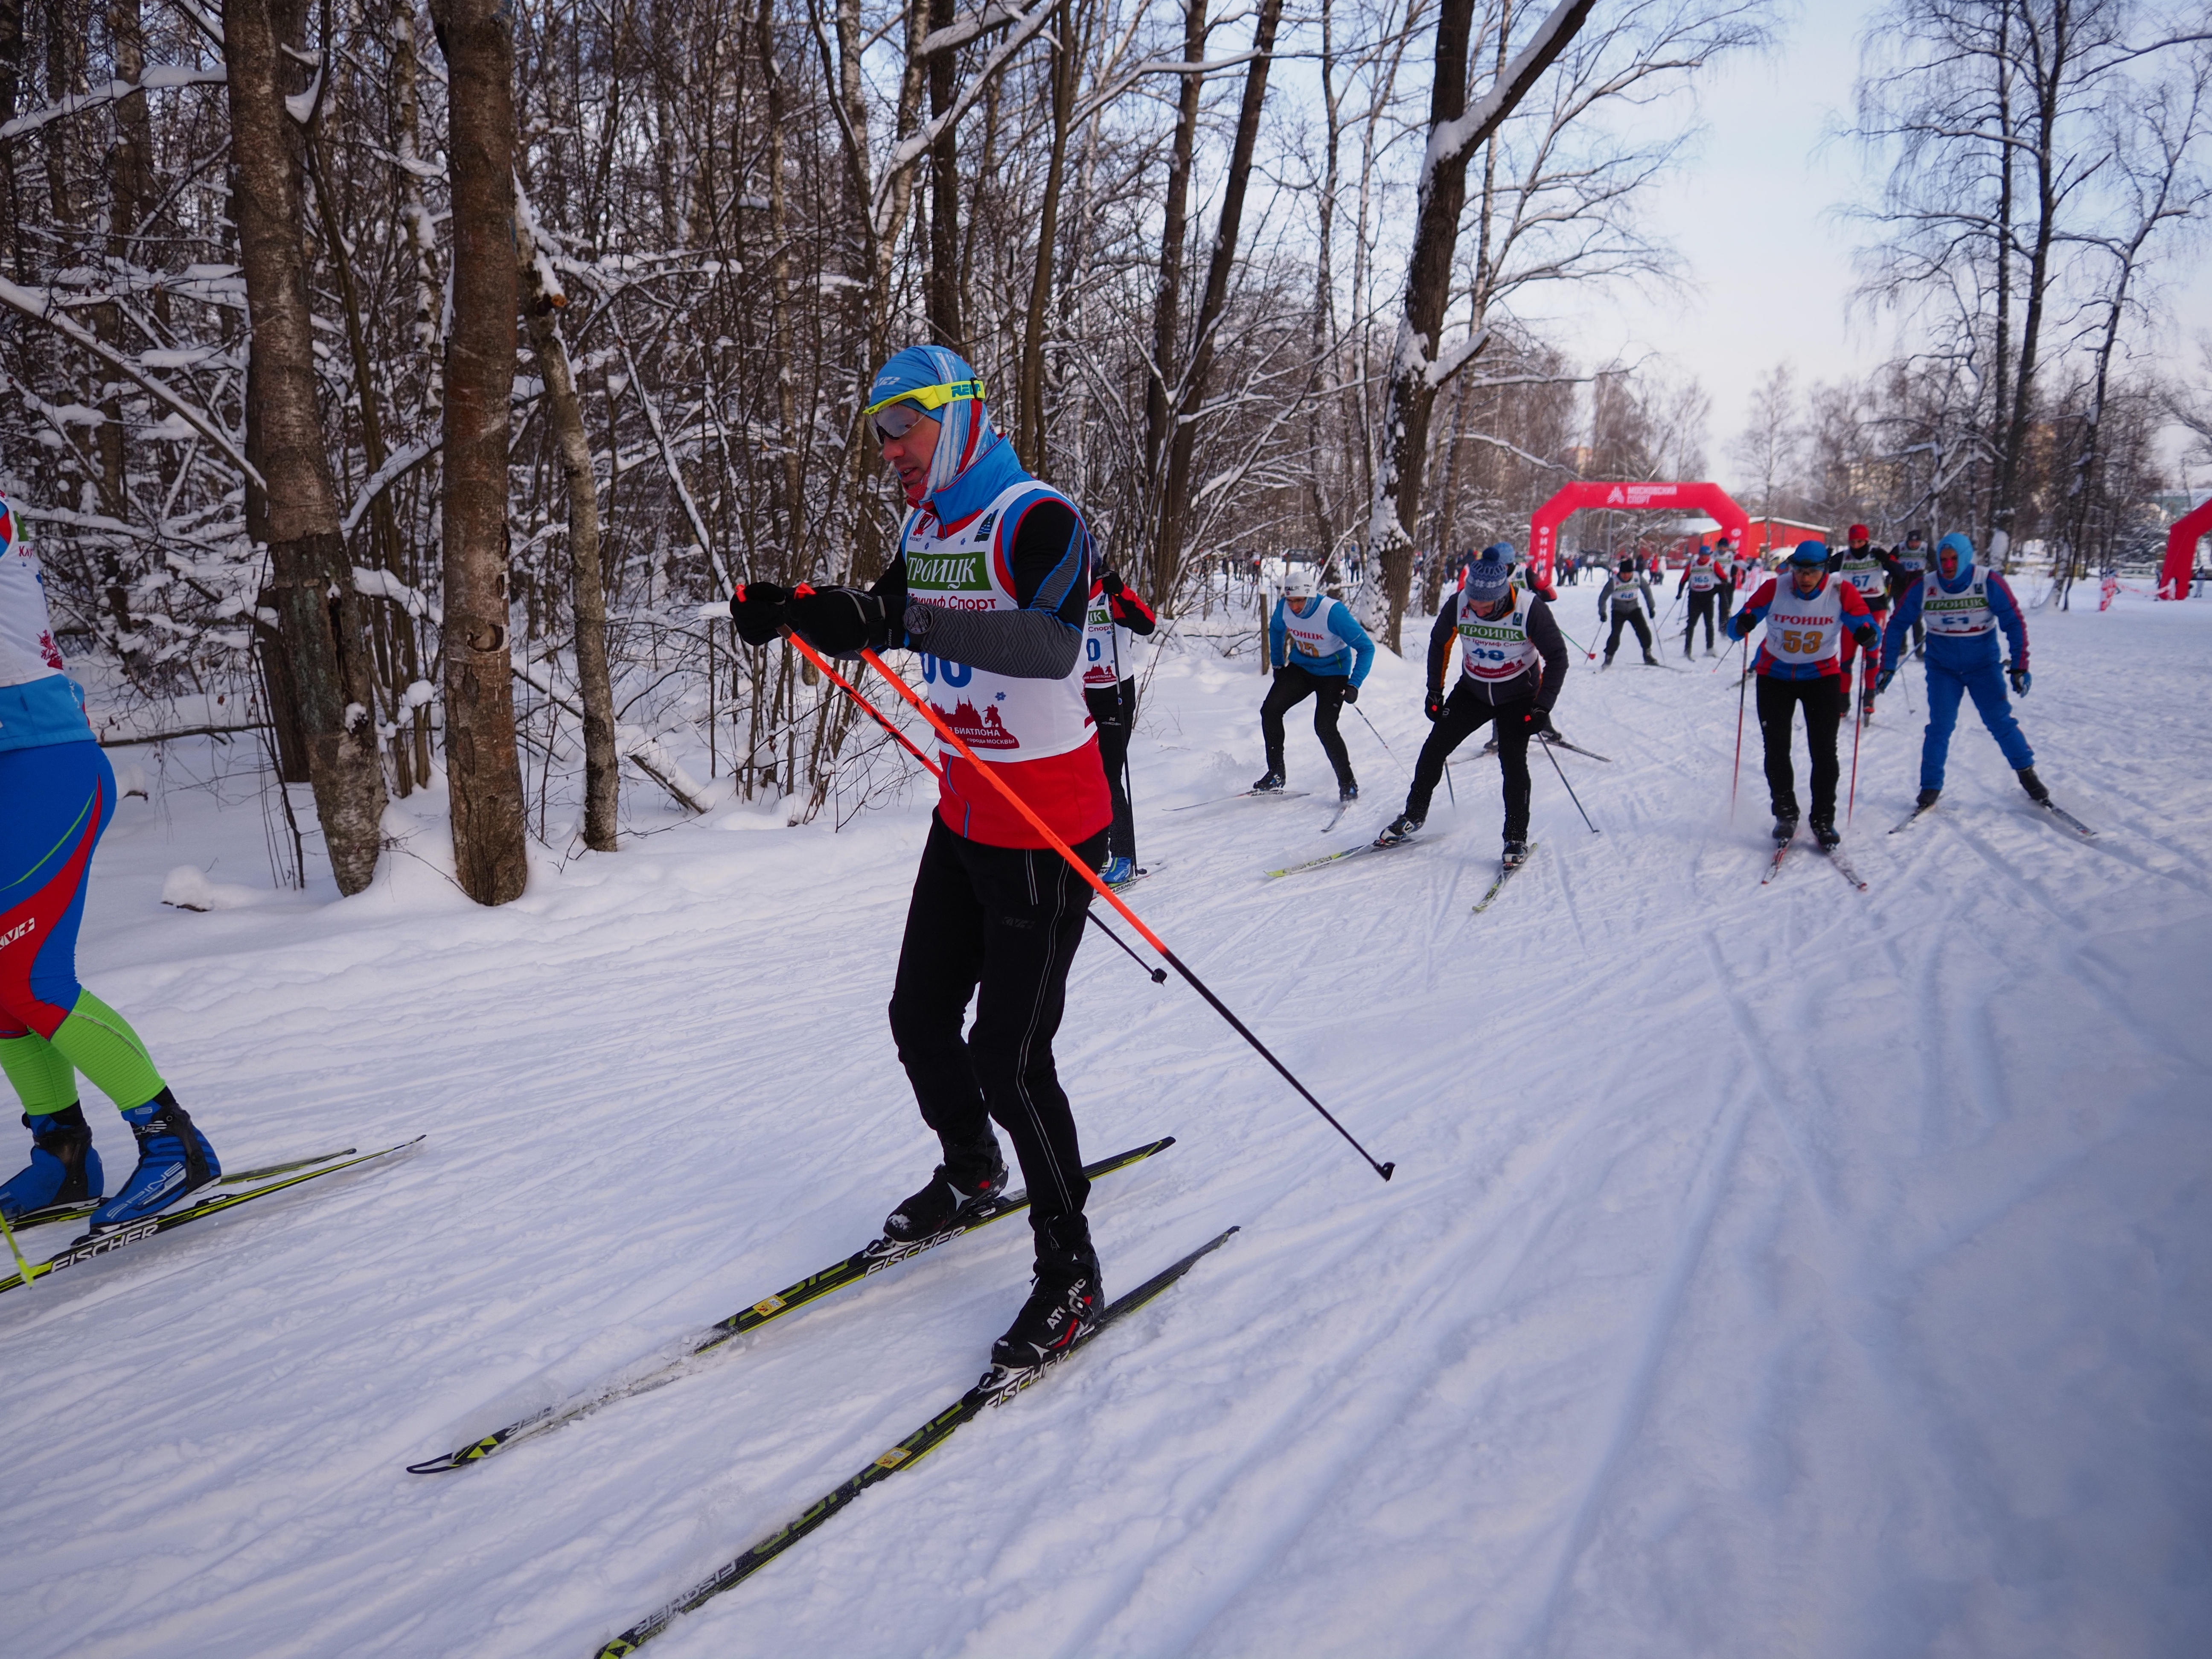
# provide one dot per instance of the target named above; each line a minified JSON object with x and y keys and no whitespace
{"x":1489,"y":578}
{"x":1809,"y":553}
{"x":966,"y":422}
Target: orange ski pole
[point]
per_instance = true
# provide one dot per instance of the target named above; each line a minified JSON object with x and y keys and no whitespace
{"x":1105,"y":892}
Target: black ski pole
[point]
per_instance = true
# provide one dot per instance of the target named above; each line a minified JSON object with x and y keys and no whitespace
{"x":945,"y":732}
{"x":1158,"y":976}
{"x":1571,"y":796}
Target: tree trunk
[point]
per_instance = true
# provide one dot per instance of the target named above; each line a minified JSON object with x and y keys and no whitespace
{"x":943,"y":193}
{"x":602,"y":765}
{"x":1175,"y":496}
{"x":1414,"y":381}
{"x":480,"y":763}
{"x":1028,"y":422}
{"x":324,"y":624}
{"x":1163,"y":385}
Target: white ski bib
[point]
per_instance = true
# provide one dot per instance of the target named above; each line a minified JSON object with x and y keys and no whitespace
{"x":1958,"y":616}
{"x":1495,"y":651}
{"x":999,"y":717}
{"x":1802,"y":631}
{"x":1109,"y":648}
{"x":1313,"y":635}
{"x":1703,"y":577}
{"x":1865,"y":572}
{"x":28,"y":651}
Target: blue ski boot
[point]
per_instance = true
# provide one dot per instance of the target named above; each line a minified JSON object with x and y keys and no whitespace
{"x":174,"y":1158}
{"x":65,"y":1168}
{"x":1119,"y":872}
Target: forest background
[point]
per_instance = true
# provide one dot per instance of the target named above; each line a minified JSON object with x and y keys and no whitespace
{"x":390,"y":387}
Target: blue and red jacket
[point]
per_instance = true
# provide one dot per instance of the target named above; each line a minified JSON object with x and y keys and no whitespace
{"x":1858,"y":621}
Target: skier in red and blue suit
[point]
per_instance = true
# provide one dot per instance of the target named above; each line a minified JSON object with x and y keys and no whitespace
{"x":1808,"y":613}
{"x":1965,"y":608}
{"x":58,"y":794}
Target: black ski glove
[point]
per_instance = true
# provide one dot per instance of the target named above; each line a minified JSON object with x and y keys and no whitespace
{"x":1433,"y":706}
{"x":2021,"y":678}
{"x":1350,"y":692}
{"x":757,"y":609}
{"x":838,"y":621}
{"x":1112,"y":582}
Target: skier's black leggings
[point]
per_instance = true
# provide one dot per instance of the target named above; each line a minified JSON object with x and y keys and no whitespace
{"x":1466,"y":713}
{"x":1293,"y":686}
{"x":1726,"y":590}
{"x":1701,"y":604}
{"x":1623,"y":619}
{"x":1001,"y":925}
{"x":1114,"y":711}
{"x":1824,"y":699}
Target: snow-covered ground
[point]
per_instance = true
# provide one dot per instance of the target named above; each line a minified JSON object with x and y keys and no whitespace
{"x":1768,"y":1272}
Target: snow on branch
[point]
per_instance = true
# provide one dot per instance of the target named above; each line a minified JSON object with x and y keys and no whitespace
{"x":38,"y":304}
{"x":161,"y":78}
{"x":1449,"y":363}
{"x":1449,"y":139}
{"x":401,"y":463}
{"x":909,"y":151}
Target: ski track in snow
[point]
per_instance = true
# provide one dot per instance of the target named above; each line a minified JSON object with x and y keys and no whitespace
{"x":1783,"y":1270}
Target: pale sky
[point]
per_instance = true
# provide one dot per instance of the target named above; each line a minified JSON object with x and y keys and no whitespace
{"x":1752,"y":212}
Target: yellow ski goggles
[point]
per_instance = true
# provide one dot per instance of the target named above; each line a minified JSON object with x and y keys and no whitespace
{"x":895,"y":415}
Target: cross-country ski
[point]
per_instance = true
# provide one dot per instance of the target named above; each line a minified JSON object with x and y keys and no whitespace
{"x":869,"y":1260}
{"x":607,"y":619}
{"x":997,"y":1387}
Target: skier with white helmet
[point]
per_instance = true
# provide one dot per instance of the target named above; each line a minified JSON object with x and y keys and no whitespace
{"x":1965,"y":607}
{"x":1318,"y":650}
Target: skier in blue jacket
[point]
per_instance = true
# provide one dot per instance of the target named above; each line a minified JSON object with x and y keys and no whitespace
{"x":56,"y":795}
{"x":1965,"y":607}
{"x":1317,"y":649}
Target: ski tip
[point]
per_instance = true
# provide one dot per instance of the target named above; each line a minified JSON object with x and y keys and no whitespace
{"x":439,"y":1464}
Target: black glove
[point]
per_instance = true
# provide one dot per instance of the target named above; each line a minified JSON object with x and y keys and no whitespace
{"x":757,"y":609}
{"x":840,"y":621}
{"x":1112,"y":582}
{"x":1350,"y":692}
{"x":1433,"y":705}
{"x":1867,"y":639}
{"x":1882,"y":680}
{"x":2021,"y":678}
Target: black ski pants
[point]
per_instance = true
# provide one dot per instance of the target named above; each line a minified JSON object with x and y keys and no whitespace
{"x":1623,"y":619}
{"x":1293,"y":686}
{"x":1726,"y":590}
{"x":999,"y":925}
{"x":1824,"y":700}
{"x":1465,"y":714}
{"x":1701,"y":604}
{"x":1114,"y":711}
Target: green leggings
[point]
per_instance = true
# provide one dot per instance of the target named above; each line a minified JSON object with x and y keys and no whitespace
{"x":96,"y":1040}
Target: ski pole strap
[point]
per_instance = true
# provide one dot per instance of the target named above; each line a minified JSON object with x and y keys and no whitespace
{"x":1111,"y":898}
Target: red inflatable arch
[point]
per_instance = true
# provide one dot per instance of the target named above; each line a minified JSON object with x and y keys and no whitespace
{"x":2174,"y":577}
{"x":1708,"y":498}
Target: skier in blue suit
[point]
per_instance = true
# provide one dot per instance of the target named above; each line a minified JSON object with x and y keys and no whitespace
{"x":1965,"y":606}
{"x":1317,"y":649}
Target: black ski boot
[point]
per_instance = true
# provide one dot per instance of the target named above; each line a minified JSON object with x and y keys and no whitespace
{"x":1269,"y":785}
{"x":1064,"y":1300}
{"x":1607,"y":664}
{"x":2034,"y":785}
{"x":1515,"y":855}
{"x":1825,"y":832}
{"x":1347,"y":791}
{"x":1404,"y":827}
{"x":1650,"y":661}
{"x":1926,"y":799}
{"x":1785,"y":827}
{"x":969,"y":1177}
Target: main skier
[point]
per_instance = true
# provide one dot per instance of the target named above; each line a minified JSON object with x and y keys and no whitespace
{"x":991,"y":584}
{"x":1513,"y":663}
{"x":1869,"y":568}
{"x":1701,"y":579}
{"x":1619,"y":599}
{"x":1806,"y":613}
{"x":57,"y":797}
{"x":1318,"y":650}
{"x":1115,"y":616}
{"x":1965,"y":607}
